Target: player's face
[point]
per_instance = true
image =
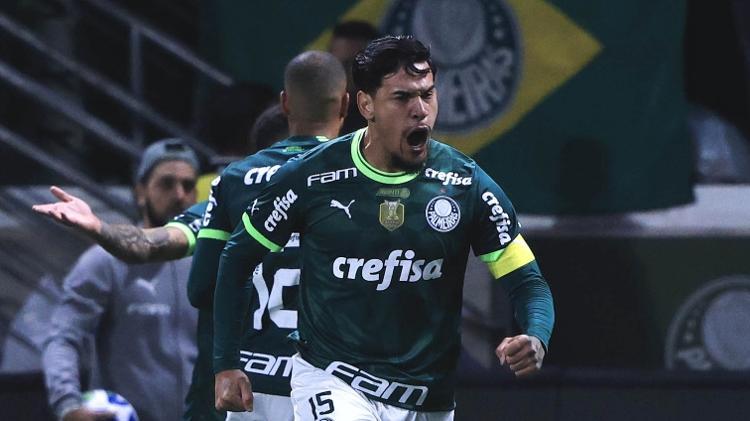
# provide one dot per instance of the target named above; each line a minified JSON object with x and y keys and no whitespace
{"x":401,"y":117}
{"x":168,"y":191}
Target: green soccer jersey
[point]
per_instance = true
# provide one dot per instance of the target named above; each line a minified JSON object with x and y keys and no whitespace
{"x":271,"y":314}
{"x":189,"y":222}
{"x":383,"y":261}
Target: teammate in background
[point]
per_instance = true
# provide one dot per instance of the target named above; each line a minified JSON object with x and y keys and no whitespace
{"x":271,"y":126}
{"x":176,"y":239}
{"x":173,"y":240}
{"x":137,"y":314}
{"x":315,"y":102}
{"x":349,"y":38}
{"x":388,"y":216}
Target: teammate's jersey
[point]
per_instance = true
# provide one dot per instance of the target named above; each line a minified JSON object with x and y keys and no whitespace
{"x":189,"y":222}
{"x":383,"y":261}
{"x":265,"y":350}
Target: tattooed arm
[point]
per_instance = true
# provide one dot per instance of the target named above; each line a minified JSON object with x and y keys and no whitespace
{"x":140,"y":245}
{"x":126,"y":242}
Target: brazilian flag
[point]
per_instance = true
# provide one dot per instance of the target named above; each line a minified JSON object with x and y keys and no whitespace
{"x":573,"y":106}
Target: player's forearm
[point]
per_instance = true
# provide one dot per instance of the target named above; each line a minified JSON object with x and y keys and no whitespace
{"x":137,"y":245}
{"x":202,"y":280}
{"x":231,"y":299}
{"x":532,"y":301}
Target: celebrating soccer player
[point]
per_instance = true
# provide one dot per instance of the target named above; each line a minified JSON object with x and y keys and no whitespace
{"x":386,"y":217}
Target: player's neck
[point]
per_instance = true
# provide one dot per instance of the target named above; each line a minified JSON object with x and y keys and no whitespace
{"x":375,"y":155}
{"x":327,"y":129}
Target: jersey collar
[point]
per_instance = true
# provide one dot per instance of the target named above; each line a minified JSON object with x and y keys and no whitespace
{"x":373,"y":173}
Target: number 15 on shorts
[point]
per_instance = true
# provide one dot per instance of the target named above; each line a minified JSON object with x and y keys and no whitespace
{"x":321,"y":404}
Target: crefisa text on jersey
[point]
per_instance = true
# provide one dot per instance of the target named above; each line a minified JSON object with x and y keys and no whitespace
{"x":410,"y":270}
{"x":447,"y":178}
{"x":260,"y":174}
{"x":280,"y":206}
{"x":498,"y":216}
{"x":331,"y":176}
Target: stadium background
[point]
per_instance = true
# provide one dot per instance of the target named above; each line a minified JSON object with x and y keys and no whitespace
{"x":619,"y":130}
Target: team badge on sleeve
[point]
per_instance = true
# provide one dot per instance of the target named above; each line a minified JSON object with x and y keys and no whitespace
{"x":442,"y":213}
{"x":391,"y":214}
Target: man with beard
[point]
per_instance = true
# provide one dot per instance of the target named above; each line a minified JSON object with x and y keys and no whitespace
{"x":386,"y":217}
{"x":138,"y":315}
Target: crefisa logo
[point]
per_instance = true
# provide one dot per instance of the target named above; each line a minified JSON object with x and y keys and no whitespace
{"x":711,"y":330}
{"x":475,"y":45}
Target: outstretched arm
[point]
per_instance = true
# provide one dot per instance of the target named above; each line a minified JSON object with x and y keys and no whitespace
{"x":126,"y":242}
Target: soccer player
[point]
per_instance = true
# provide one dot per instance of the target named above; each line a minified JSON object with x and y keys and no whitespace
{"x":314,"y":115}
{"x":386,"y":217}
{"x":315,"y":100}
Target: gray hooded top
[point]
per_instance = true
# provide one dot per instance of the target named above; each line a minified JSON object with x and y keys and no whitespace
{"x":143,"y":327}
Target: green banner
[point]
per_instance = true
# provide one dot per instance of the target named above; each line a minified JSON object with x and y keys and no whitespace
{"x":573,"y":106}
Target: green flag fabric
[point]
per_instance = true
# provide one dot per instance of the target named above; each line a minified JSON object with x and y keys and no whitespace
{"x":573,"y":106}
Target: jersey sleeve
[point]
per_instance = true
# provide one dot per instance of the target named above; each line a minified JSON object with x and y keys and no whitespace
{"x":272,"y":217}
{"x":497,"y":240}
{"x":496,"y":236}
{"x":266,"y":224}
{"x":215,"y":231}
{"x":189,"y":222}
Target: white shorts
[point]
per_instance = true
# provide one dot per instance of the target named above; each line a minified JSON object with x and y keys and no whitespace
{"x":320,"y":396}
{"x":266,"y":408}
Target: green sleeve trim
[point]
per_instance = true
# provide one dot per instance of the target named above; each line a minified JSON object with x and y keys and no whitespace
{"x":373,"y":173}
{"x":189,"y":235}
{"x":486,"y":258}
{"x":257,"y":235}
{"x":214,"y":234}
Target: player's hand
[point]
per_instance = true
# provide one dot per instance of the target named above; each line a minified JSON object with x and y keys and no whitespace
{"x":523,"y":354}
{"x":70,"y":211}
{"x":86,"y":414}
{"x":233,"y":391}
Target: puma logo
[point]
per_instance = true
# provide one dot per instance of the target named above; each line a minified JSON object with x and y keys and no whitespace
{"x":253,"y":207}
{"x":150,"y":286}
{"x":336,"y":204}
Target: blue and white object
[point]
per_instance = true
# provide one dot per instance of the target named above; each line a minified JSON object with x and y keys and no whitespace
{"x":104,"y":400}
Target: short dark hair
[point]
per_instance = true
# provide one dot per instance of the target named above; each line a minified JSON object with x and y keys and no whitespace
{"x":270,"y":127}
{"x":355,"y":29}
{"x":315,"y":81}
{"x":385,"y":56}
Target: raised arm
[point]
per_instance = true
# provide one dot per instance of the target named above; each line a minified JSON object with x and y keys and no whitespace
{"x":129,"y":243}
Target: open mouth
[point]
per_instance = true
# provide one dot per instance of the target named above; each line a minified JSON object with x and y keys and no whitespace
{"x":418,"y":137}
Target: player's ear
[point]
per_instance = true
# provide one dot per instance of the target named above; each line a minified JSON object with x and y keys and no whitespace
{"x":365,"y":104}
{"x":284,"y":101}
{"x":344,"y":110}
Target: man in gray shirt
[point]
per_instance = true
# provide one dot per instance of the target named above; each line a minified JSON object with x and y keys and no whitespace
{"x":137,"y":314}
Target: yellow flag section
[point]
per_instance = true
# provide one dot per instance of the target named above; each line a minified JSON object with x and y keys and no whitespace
{"x":554,"y":48}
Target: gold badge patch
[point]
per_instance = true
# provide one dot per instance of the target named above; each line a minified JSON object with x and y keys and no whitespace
{"x":391,"y":214}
